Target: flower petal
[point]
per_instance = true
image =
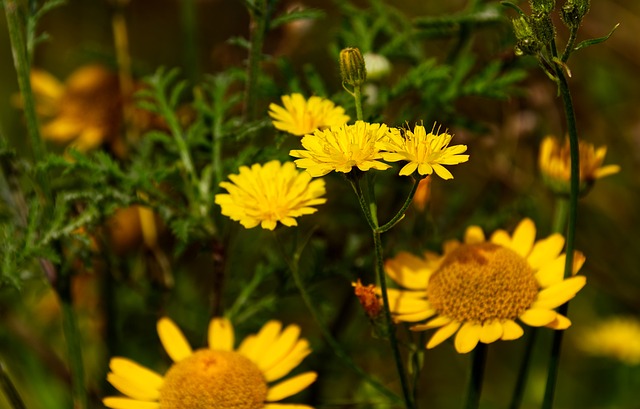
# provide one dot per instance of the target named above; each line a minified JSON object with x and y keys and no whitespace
{"x":523,"y":237}
{"x":132,"y":388}
{"x":132,"y":370}
{"x":537,"y":317}
{"x":221,"y":336}
{"x":511,"y":330}
{"x":173,"y":340}
{"x":491,"y":332}
{"x":561,"y":322}
{"x":291,"y":386}
{"x":282,"y":347}
{"x":546,"y":250}
{"x":467,"y":337}
{"x":126,"y":403}
{"x":443,"y":334}
{"x":473,"y":235}
{"x":286,"y":365}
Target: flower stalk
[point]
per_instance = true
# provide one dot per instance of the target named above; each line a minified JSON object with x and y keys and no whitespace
{"x":476,"y":377}
{"x":9,"y":389}
{"x":258,"y":26}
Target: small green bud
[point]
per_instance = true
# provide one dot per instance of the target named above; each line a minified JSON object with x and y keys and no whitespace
{"x":574,"y":11}
{"x":527,"y":41}
{"x":542,"y":27}
{"x":352,"y":67}
{"x":542,"y":6}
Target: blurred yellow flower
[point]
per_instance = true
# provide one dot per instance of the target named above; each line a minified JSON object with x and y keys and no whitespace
{"x":341,"y":148}
{"x":218,"y":376}
{"x":555,"y":164}
{"x":86,"y":110}
{"x":424,"y":152}
{"x":265,"y":195}
{"x":300,"y":116}
{"x":422,"y":195}
{"x":617,"y":338}
{"x":478,"y":288}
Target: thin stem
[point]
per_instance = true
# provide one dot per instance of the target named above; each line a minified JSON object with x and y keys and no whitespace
{"x":474,"y":388}
{"x":357,"y":96}
{"x":23,"y":69}
{"x":400,"y":215}
{"x":523,"y":372}
{"x":326,"y":333}
{"x":190,"y":33}
{"x":391,"y":329}
{"x":561,"y":214}
{"x":257,"y":28}
{"x":123,"y":58}
{"x":10,"y":391}
{"x":74,"y":349}
{"x":361,"y":200}
{"x":571,"y":228}
{"x":568,"y":49}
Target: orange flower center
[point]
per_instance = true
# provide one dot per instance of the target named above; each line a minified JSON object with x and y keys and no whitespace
{"x":482,"y":282}
{"x":213,"y":379}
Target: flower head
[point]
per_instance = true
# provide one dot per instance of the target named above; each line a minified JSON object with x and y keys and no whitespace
{"x":617,"y":338}
{"x":555,"y":164}
{"x":266,"y":195}
{"x":424,"y":152}
{"x":479,"y":288}
{"x":342,"y":148}
{"x":300,"y":116}
{"x":216,"y":377}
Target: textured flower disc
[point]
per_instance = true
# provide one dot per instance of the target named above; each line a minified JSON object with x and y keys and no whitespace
{"x":481,"y":282}
{"x":213,"y":379}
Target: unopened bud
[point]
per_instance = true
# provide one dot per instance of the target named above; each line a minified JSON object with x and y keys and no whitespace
{"x":542,"y":6}
{"x":352,"y":67}
{"x":527,"y":41}
{"x":573,"y":12}
{"x":543,"y":28}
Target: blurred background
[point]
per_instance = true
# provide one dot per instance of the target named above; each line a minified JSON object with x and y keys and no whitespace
{"x":501,"y":185}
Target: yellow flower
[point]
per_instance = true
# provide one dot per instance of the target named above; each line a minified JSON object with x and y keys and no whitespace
{"x":218,"y":376}
{"x":300,"y":116}
{"x":479,"y":288}
{"x":555,"y":164}
{"x":341,"y":148}
{"x":422,"y":195}
{"x":265,"y":195}
{"x":617,"y":338}
{"x":425,"y":152}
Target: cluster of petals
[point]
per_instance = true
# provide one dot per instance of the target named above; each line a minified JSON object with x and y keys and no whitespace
{"x":267,"y":194}
{"x":538,"y":262}
{"x":270,"y":354}
{"x":299,"y":116}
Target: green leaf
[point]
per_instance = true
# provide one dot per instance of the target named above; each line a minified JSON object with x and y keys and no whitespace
{"x":594,"y":41}
{"x":300,"y":14}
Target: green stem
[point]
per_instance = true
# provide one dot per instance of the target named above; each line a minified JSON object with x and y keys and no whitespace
{"x":474,"y":388}
{"x":568,"y":49}
{"x":400,"y":215}
{"x":523,"y":372}
{"x":391,"y":328}
{"x":10,"y":391}
{"x":23,"y":69}
{"x":571,"y":228}
{"x":190,"y":33}
{"x":74,"y":348}
{"x":561,"y":214}
{"x":326,"y":333}
{"x":364,"y":206}
{"x":357,"y":96}
{"x":257,"y":28}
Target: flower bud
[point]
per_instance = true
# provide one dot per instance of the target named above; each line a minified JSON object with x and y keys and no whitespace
{"x":352,"y":67}
{"x":573,"y":11}
{"x":542,"y":27}
{"x":527,"y":41}
{"x":542,"y":6}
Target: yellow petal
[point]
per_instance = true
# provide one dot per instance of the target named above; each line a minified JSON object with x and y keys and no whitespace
{"x":408,"y":305}
{"x":173,"y":340}
{"x":286,"y":365}
{"x":578,"y":261}
{"x":126,"y":403}
{"x":501,"y":238}
{"x":221,"y":336}
{"x":131,"y":370}
{"x":562,"y":292}
{"x":546,"y":250}
{"x":282,"y":347}
{"x":286,"y":406}
{"x":491,"y":332}
{"x":467,"y":338}
{"x":523,"y":237}
{"x":132,"y":388}
{"x":511,"y":330}
{"x":443,"y":334}
{"x":434,"y":323}
{"x":416,"y":316}
{"x":264,"y":340}
{"x":291,"y":386}
{"x":473,"y":235}
{"x":561,"y":322}
{"x":537,"y":317}
{"x":552,"y":272}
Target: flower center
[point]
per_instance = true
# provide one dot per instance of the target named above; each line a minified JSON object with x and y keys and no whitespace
{"x":213,"y":379}
{"x":482,"y":282}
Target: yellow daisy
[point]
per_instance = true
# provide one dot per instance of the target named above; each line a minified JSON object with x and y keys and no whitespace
{"x":300,"y":116}
{"x":424,"y":152}
{"x":266,"y":195}
{"x":479,"y":288}
{"x":617,"y":338}
{"x":341,"y":148}
{"x":555,"y":164}
{"x":219,"y":376}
